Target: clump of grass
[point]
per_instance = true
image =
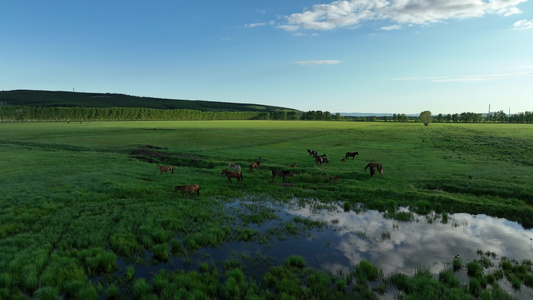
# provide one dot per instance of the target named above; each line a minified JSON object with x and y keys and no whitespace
{"x":248,"y":234}
{"x":346,"y":206}
{"x":403,"y":216}
{"x":230,"y":264}
{"x":457,"y":264}
{"x":177,"y":247}
{"x":160,"y":252}
{"x":141,"y":289}
{"x":474,"y":269}
{"x":47,"y":293}
{"x":448,"y":278}
{"x":295,"y":261}
{"x":112,"y":291}
{"x":365,"y":271}
{"x":444,"y":218}
{"x":72,"y":288}
{"x":130,"y":273}
{"x":124,"y":244}
{"x":474,"y":286}
{"x":385,"y":235}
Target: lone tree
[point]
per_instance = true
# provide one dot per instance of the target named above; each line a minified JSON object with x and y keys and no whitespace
{"x":425,"y":117}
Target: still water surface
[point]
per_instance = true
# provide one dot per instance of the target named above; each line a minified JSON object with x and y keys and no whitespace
{"x":349,"y":237}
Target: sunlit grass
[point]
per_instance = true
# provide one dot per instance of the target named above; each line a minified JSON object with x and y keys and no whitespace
{"x":75,"y":199}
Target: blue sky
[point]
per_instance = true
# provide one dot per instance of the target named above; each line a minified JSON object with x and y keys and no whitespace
{"x":397,"y":56}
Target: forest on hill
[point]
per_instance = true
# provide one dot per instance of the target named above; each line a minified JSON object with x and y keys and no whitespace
{"x":44,"y":99}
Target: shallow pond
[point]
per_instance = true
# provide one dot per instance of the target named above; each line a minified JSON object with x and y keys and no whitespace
{"x":346,"y":238}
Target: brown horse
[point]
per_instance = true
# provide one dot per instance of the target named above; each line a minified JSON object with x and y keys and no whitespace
{"x":351,"y":154}
{"x":254,"y":165}
{"x":164,"y":169}
{"x":293,"y":165}
{"x":281,"y":173}
{"x":230,"y":175}
{"x":321,"y":160}
{"x":186,"y":189}
{"x":373,"y":168}
{"x":235,"y":167}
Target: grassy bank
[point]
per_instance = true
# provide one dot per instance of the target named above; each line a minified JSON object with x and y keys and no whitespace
{"x":78,"y":197}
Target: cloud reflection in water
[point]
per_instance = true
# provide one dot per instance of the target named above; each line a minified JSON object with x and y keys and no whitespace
{"x":395,"y":246}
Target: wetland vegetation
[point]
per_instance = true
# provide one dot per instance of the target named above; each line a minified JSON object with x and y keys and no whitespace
{"x":86,"y":213}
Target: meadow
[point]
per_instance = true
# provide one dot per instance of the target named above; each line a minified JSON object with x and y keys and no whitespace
{"x":83,"y":204}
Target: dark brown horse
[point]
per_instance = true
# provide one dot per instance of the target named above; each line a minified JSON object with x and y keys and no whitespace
{"x":373,"y":168}
{"x":186,"y":189}
{"x":230,"y":175}
{"x":254,"y":165}
{"x":351,"y":154}
{"x":281,"y":173}
{"x":164,"y":169}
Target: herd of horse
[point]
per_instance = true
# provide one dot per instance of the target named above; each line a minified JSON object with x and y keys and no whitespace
{"x":237,"y":174}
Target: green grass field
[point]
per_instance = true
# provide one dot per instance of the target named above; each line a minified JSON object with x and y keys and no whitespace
{"x":77,"y":197}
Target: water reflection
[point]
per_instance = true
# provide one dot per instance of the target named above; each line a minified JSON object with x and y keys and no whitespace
{"x":349,"y":237}
{"x":395,"y":246}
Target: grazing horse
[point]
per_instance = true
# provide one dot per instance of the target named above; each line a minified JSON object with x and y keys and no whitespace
{"x":235,"y":167}
{"x":186,"y":189}
{"x":281,"y":173}
{"x":320,"y":160}
{"x":312,"y":152}
{"x":230,"y":175}
{"x":293,"y":165}
{"x":351,"y":154}
{"x":254,"y":165}
{"x":373,"y":168}
{"x":164,"y":169}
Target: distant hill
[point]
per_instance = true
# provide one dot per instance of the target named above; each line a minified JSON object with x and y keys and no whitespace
{"x":35,"y":98}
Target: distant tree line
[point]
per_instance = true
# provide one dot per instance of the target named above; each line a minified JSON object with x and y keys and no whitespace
{"x":79,"y":114}
{"x":470,"y":117}
{"x":319,"y":115}
{"x":30,"y":114}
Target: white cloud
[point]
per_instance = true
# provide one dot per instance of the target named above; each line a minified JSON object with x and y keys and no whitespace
{"x":523,"y":24}
{"x":350,"y":13}
{"x":317,"y":62}
{"x":392,"y":27}
{"x":254,"y":25}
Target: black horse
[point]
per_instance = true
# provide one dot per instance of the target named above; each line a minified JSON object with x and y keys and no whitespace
{"x":281,"y":173}
{"x":351,"y":154}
